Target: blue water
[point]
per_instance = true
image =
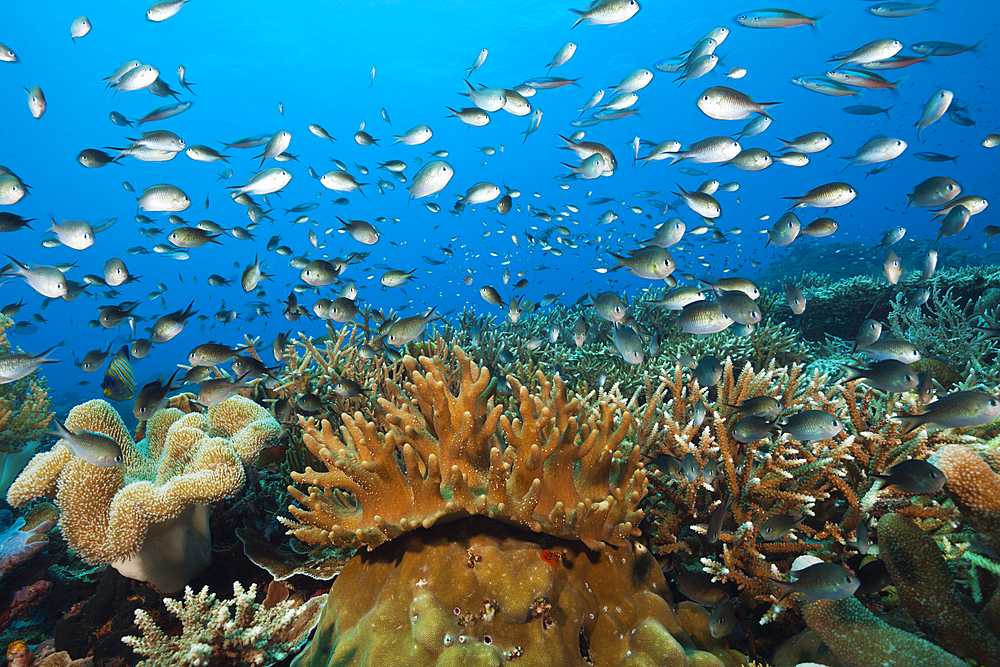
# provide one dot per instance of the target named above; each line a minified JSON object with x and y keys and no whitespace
{"x":315,"y":58}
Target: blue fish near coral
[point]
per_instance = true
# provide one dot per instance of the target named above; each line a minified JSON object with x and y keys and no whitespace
{"x":119,"y":381}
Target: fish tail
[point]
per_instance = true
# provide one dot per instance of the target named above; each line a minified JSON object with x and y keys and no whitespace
{"x":910,"y":422}
{"x":785,"y":588}
{"x":852,"y":373}
{"x":579,"y":20}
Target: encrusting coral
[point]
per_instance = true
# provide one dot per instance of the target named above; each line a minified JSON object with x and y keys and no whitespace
{"x":490,"y":538}
{"x":219,"y":633}
{"x":148,"y":517}
{"x":974,"y":488}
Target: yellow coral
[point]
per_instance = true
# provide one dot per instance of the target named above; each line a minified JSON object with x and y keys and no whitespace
{"x":185,"y":461}
{"x":561,"y":469}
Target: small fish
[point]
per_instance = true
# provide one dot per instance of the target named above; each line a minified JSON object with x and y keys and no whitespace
{"x":822,"y":581}
{"x":893,"y":348}
{"x":913,"y":476}
{"x":119,"y":380}
{"x":767,"y":19}
{"x":780,"y":525}
{"x":607,"y":12}
{"x":80,"y":27}
{"x":348,"y":388}
{"x":703,"y":317}
{"x":161,"y":11}
{"x":718,"y":520}
{"x":708,"y":372}
{"x":15,"y":366}
{"x":628,"y":343}
{"x":723,"y":619}
{"x":751,"y":429}
{"x":892,"y":268}
{"x":961,"y":409}
{"x":758,"y":406}
{"x":888,"y":375}
{"x":213,"y":392}
{"x":95,"y":448}
{"x":812,"y":425}
{"x":152,"y":397}
{"x":700,"y":587}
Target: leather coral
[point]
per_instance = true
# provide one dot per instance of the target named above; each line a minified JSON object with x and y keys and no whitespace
{"x":444,"y":447}
{"x":148,"y":517}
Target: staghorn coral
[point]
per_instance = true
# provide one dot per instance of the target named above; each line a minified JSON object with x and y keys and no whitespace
{"x":478,"y":593}
{"x":762,"y":481}
{"x":218,"y":633}
{"x":944,"y":328}
{"x":560,"y":470}
{"x":25,"y":413}
{"x":148,"y":517}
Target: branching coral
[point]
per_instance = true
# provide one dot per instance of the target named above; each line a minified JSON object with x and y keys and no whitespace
{"x":147,"y":517}
{"x":560,"y":470}
{"x":218,"y":633}
{"x":25,"y":413}
{"x":762,"y":481}
{"x":944,"y":328}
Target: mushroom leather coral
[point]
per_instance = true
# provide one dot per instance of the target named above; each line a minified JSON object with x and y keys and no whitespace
{"x":479,"y":593}
{"x":560,"y":469}
{"x":186,"y":461}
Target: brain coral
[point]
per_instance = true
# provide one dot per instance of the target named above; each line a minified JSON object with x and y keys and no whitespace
{"x":148,"y":517}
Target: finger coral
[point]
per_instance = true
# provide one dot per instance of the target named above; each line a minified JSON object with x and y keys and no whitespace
{"x":238,"y":631}
{"x":927,"y":588}
{"x":561,"y":469}
{"x":861,"y":639}
{"x":148,"y":517}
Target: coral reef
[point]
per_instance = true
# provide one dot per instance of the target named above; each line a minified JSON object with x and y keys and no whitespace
{"x":926,"y":587}
{"x":25,"y":413}
{"x":451,"y":496}
{"x":147,"y":516}
{"x":974,"y":488}
{"x":217,"y":633}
